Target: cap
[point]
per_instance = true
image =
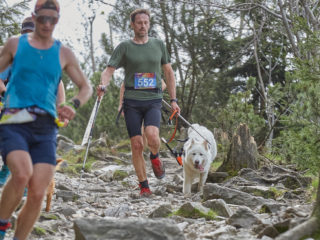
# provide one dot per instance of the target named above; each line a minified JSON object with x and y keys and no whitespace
{"x":27,"y":24}
{"x":47,"y":4}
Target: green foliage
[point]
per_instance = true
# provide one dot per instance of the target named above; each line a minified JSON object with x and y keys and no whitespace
{"x":39,"y":231}
{"x":119,"y":175}
{"x":106,"y":116}
{"x":11,"y":18}
{"x":75,"y":162}
{"x":239,"y":110}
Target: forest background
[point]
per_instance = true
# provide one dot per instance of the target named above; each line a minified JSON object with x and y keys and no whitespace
{"x":235,"y":61}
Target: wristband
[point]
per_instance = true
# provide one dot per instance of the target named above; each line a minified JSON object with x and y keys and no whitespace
{"x":70,"y":104}
{"x":173,"y":100}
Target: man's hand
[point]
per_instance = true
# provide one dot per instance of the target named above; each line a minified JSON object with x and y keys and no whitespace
{"x":175,"y":107}
{"x":66,"y":112}
{"x":101,"y":89}
{"x":121,"y":109}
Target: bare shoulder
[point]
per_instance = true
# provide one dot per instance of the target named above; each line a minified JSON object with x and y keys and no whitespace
{"x":10,"y":46}
{"x":67,"y":56}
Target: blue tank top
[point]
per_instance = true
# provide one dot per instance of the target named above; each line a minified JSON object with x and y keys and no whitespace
{"x":35,"y":76}
{"x":5,"y":74}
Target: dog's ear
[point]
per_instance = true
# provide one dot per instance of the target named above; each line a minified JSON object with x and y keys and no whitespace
{"x":205,"y":144}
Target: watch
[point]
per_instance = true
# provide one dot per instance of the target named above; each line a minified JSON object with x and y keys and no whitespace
{"x":76,"y":103}
{"x":173,"y":100}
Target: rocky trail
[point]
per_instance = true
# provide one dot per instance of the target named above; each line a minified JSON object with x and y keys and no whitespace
{"x":255,"y":204}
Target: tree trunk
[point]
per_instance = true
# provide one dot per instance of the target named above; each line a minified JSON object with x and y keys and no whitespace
{"x":243,"y":152}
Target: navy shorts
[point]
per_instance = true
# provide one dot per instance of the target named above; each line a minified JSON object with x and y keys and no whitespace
{"x":39,"y":138}
{"x":137,"y":111}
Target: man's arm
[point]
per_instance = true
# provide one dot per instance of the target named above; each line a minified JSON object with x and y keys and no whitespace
{"x":72,"y":68}
{"x":7,"y":52}
{"x":2,"y":87}
{"x":61,"y":96}
{"x":171,"y":84}
{"x":121,"y":93}
{"x":163,"y":85}
{"x":105,"y":80}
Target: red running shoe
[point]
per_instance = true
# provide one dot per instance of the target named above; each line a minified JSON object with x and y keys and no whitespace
{"x":144,"y":192}
{"x":158,"y":168}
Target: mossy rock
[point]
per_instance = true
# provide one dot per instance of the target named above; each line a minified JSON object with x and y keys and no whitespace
{"x":191,"y":210}
{"x":39,"y":231}
{"x":120,"y":175}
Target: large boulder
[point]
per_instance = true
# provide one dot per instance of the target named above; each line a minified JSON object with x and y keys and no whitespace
{"x":123,"y":229}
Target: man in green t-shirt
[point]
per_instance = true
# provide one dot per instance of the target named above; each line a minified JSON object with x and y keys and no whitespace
{"x":143,"y":59}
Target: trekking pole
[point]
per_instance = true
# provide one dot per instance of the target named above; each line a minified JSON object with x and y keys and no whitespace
{"x":183,"y":119}
{"x":87,"y":137}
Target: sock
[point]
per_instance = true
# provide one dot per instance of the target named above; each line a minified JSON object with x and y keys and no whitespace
{"x":3,"y":222}
{"x":144,"y":184}
{"x":4,"y":225}
{"x":154,"y":156}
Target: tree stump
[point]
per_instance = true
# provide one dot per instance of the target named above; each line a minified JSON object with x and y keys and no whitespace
{"x":242,"y":153}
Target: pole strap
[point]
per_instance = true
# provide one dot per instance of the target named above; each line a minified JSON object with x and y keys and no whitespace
{"x":174,"y":114}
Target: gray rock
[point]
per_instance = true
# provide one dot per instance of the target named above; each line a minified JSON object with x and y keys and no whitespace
{"x":118,"y":211}
{"x":219,"y":206}
{"x":68,"y":211}
{"x":243,"y":218}
{"x":124,"y":229}
{"x":232,"y":196}
{"x":64,"y":146}
{"x":162,"y":211}
{"x":66,"y":195}
{"x":269,"y":231}
{"x":193,"y":210}
{"x":217,"y":177}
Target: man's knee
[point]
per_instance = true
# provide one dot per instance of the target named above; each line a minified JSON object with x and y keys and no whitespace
{"x":137,"y":144}
{"x":152,"y":135}
{"x":36,"y":195}
{"x":21,"y":178}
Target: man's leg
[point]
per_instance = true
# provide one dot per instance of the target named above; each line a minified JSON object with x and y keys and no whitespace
{"x":153,"y":139}
{"x":20,"y":164}
{"x":152,"y":134}
{"x":42,"y":175}
{"x":137,"y":157}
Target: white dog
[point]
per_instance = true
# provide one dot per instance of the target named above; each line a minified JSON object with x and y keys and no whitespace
{"x":199,"y":152}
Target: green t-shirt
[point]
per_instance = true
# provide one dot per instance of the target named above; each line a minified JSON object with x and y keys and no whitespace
{"x":141,"y":62}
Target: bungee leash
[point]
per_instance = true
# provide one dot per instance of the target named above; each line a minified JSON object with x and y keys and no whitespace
{"x":183,"y":119}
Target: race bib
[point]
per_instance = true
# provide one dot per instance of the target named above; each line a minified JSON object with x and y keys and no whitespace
{"x":145,"y":80}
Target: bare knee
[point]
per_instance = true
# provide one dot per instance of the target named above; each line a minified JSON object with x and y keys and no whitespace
{"x":36,"y":195}
{"x":21,"y":178}
{"x":137,"y":144}
{"x":152,"y":134}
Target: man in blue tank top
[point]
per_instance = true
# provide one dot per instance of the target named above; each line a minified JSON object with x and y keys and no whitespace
{"x":144,"y":60}
{"x":29,"y":147}
{"x":27,"y":26}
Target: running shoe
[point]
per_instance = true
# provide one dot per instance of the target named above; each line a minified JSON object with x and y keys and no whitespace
{"x":145,"y":192}
{"x":158,"y":168}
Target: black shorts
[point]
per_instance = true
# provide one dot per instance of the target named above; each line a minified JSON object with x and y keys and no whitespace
{"x":39,"y":138}
{"x":137,"y":111}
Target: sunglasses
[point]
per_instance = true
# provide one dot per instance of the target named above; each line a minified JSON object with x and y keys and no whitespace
{"x":43,"y":19}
